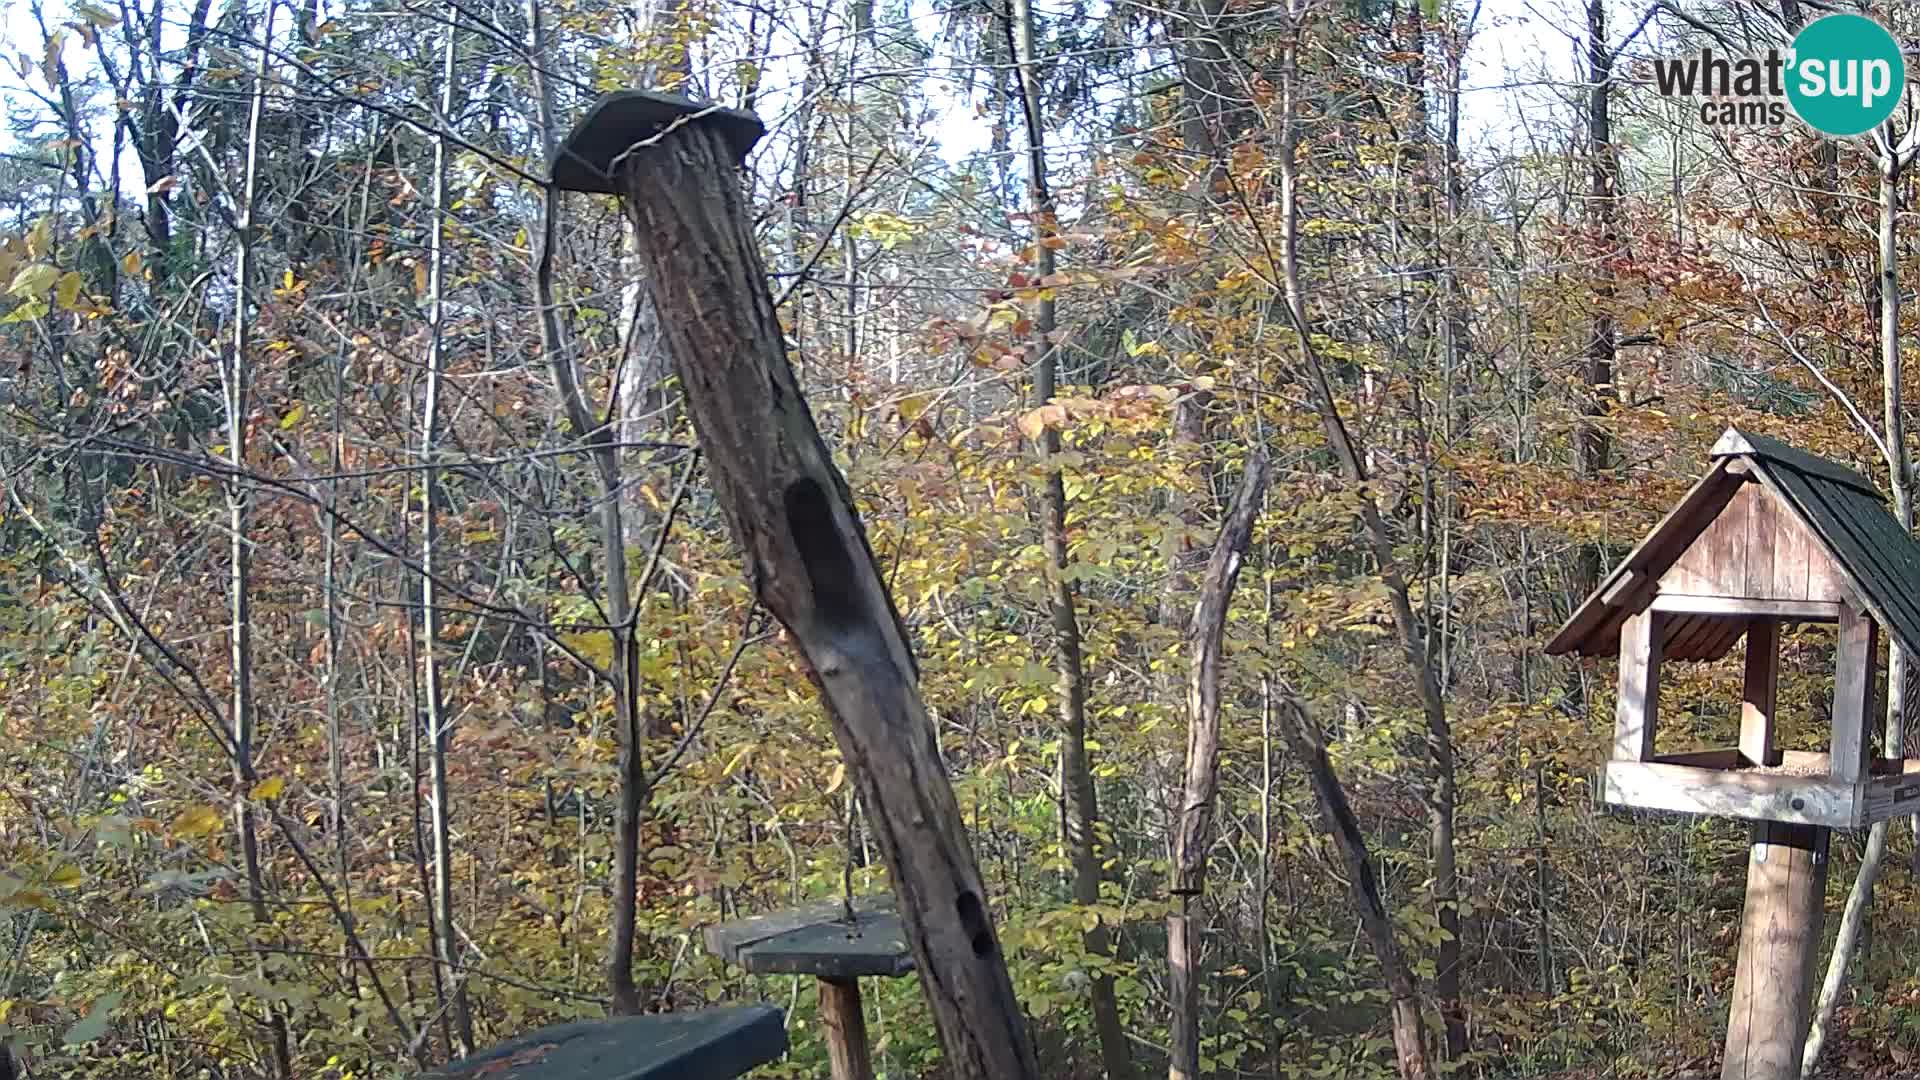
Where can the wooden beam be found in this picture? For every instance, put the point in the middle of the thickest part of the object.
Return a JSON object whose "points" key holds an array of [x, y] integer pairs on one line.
{"points": [[1779, 943], [1629, 590], [1761, 693], [1748, 607], [848, 1057], [1852, 693], [1686, 789], [1637, 712]]}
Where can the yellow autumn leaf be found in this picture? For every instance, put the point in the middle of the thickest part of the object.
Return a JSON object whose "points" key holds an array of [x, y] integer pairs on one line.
{"points": [[293, 416], [1039, 420], [67, 292], [419, 279], [270, 788], [595, 645], [131, 262], [33, 280], [196, 821], [839, 777], [40, 239], [67, 876]]}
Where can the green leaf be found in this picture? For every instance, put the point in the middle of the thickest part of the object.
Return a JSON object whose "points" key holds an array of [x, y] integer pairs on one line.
{"points": [[96, 16], [34, 279], [32, 309], [67, 292], [95, 1025], [40, 239]]}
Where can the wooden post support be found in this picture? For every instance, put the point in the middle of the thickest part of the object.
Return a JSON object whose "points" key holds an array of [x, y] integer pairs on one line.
{"points": [[1853, 667], [1762, 685], [672, 161], [1779, 945], [848, 1057], [1637, 712]]}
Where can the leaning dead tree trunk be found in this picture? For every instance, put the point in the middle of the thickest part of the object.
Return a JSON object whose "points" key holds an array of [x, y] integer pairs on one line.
{"points": [[1409, 1028], [1194, 831], [806, 550]]}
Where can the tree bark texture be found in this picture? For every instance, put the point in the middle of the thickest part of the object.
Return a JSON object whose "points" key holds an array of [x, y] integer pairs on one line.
{"points": [[1594, 446], [811, 565], [1194, 827]]}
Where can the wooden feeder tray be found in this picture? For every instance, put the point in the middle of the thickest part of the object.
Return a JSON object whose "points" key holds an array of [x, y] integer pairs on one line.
{"points": [[701, 1044], [817, 939], [1798, 790]]}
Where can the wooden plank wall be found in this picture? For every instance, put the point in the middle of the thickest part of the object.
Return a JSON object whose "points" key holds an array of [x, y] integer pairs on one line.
{"points": [[1756, 548]]}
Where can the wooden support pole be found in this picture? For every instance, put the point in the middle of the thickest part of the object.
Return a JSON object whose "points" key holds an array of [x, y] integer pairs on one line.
{"points": [[1762, 687], [848, 1057], [1637, 712], [1853, 663], [673, 162], [1779, 944]]}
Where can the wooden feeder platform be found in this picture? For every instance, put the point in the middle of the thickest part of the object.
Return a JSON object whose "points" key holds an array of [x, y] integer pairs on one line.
{"points": [[1797, 791], [819, 940], [700, 1044], [838, 942]]}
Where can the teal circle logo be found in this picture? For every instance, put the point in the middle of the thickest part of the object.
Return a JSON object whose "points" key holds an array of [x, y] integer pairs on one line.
{"points": [[1846, 75]]}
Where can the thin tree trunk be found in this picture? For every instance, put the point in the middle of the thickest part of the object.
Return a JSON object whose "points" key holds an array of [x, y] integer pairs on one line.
{"points": [[1594, 445], [1077, 788], [1438, 793], [446, 947], [629, 721], [1427, 331], [1194, 833], [239, 404], [1855, 916]]}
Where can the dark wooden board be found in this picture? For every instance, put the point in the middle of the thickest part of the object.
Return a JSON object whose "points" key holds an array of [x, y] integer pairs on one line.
{"points": [[817, 940], [588, 160], [699, 1044]]}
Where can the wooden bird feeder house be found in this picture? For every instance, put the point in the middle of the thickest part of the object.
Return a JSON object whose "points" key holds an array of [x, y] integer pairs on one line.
{"points": [[1771, 536]]}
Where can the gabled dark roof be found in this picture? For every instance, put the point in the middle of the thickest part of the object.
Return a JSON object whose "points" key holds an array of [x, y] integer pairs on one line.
{"points": [[1840, 507], [1881, 558]]}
